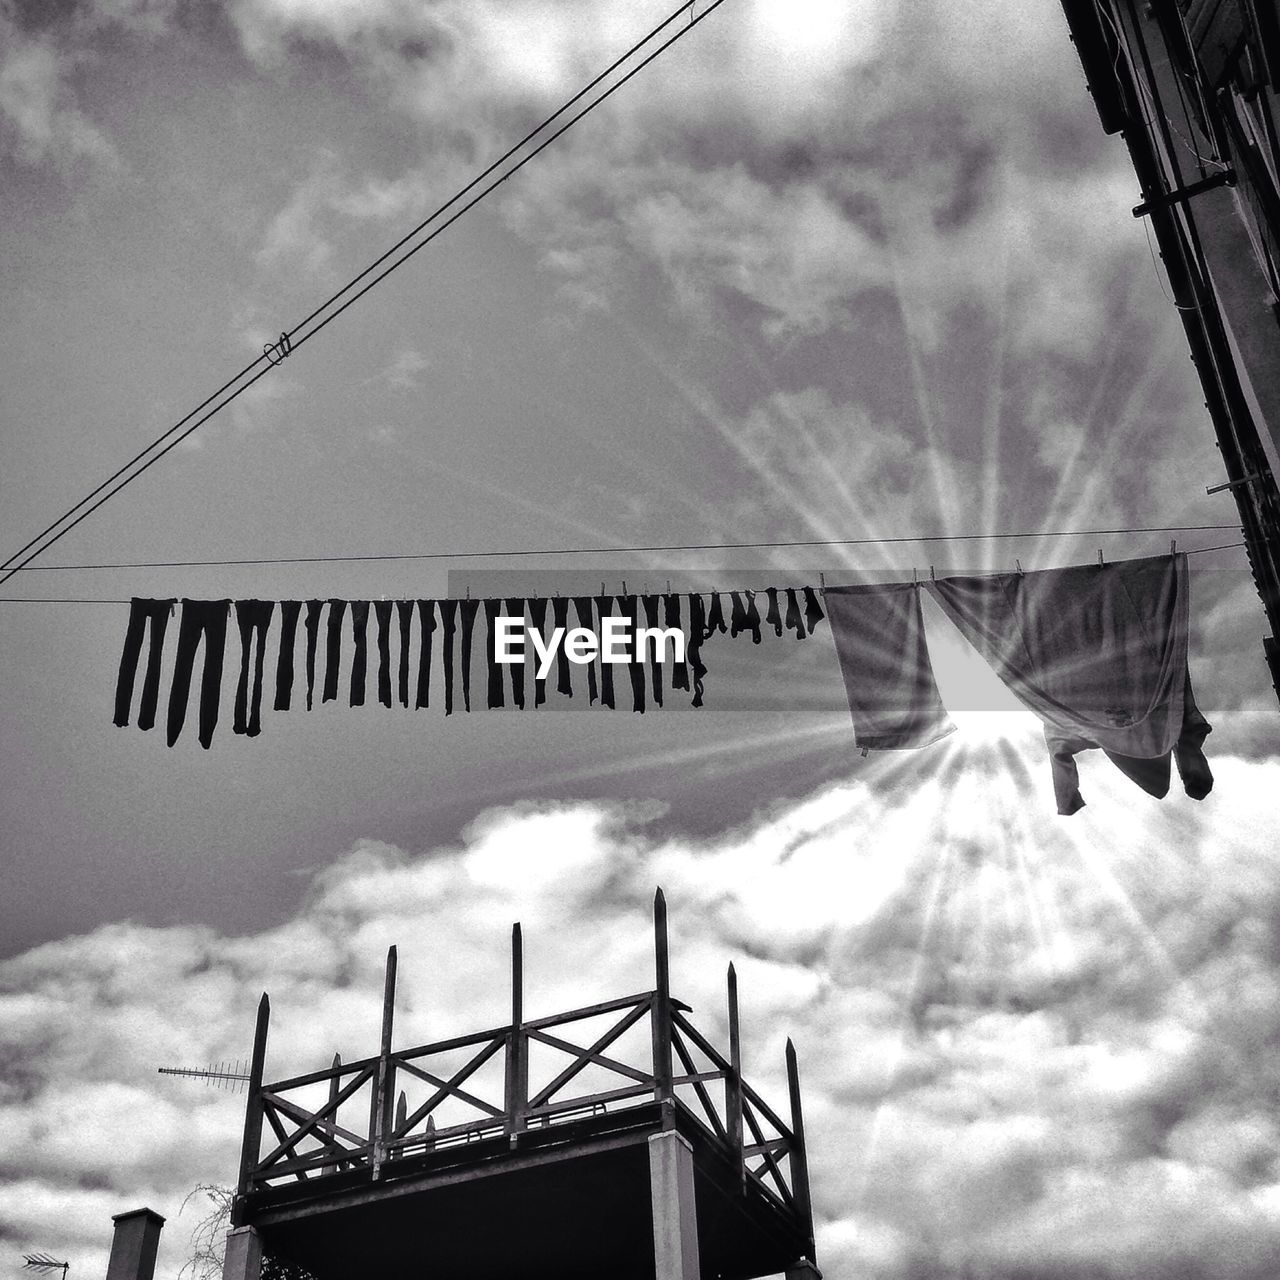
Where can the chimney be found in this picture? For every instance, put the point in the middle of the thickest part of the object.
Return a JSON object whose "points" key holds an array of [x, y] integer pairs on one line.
{"points": [[134, 1245]]}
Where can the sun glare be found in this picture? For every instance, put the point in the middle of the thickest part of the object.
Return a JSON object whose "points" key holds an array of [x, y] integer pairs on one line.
{"points": [[995, 726], [805, 28]]}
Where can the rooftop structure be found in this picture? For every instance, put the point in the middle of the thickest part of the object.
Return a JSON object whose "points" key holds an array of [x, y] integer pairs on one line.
{"points": [[520, 1151]]}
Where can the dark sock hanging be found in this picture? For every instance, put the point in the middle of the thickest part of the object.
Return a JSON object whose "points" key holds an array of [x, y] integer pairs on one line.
{"points": [[404, 615], [427, 624], [812, 609], [773, 618], [360, 650], [492, 608], [253, 617], [715, 616], [448, 624], [794, 620], [635, 668], [289, 611], [538, 620], [698, 633], [333, 649], [467, 608], [679, 670], [141, 613], [560, 618], [205, 619], [311, 625], [650, 604], [582, 606], [382, 610], [515, 609], [604, 608]]}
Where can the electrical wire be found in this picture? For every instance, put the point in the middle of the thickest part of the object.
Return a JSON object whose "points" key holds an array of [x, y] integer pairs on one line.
{"points": [[1225, 546], [291, 339], [512, 552]]}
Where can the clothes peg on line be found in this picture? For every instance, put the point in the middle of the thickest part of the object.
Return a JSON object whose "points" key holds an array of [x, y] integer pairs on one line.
{"points": [[1173, 546], [1100, 555], [1017, 564]]}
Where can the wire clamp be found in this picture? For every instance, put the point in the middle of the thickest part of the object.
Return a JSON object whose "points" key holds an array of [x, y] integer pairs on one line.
{"points": [[276, 351]]}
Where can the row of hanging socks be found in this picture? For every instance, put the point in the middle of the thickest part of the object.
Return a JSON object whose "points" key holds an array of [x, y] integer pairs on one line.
{"points": [[330, 631]]}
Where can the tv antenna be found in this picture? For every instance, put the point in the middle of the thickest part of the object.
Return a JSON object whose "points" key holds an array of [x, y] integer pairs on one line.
{"points": [[223, 1076], [44, 1264]]}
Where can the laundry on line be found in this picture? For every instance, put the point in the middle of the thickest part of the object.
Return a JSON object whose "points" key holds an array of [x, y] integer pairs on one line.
{"points": [[1098, 652], [412, 628]]}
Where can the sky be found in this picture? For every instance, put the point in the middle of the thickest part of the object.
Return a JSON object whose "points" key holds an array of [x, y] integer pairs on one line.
{"points": [[822, 271]]}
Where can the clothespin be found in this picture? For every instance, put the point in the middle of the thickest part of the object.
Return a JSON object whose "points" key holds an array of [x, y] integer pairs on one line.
{"points": [[1017, 564], [933, 577], [1173, 546], [602, 590], [822, 582], [915, 579], [668, 586], [624, 586], [1099, 555]]}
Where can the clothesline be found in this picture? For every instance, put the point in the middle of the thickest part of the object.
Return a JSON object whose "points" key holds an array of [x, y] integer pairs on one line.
{"points": [[1097, 651], [1225, 546], [523, 552]]}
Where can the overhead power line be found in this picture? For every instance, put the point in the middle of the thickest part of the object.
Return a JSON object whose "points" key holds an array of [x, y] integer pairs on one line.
{"points": [[335, 305], [512, 552]]}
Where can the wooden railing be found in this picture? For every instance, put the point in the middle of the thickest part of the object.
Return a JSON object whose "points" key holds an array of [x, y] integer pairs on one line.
{"points": [[523, 1076]]}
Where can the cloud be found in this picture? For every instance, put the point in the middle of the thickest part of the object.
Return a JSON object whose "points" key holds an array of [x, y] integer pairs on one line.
{"points": [[40, 119], [795, 156], [1020, 1056], [403, 372]]}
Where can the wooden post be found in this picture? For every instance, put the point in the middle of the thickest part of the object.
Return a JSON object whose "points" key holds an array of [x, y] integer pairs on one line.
{"points": [[661, 1013], [384, 1077], [334, 1089], [250, 1147], [733, 1081], [799, 1159], [517, 1066]]}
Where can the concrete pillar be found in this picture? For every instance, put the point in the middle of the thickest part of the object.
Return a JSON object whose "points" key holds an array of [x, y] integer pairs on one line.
{"points": [[243, 1260], [134, 1245], [803, 1270], [675, 1218]]}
